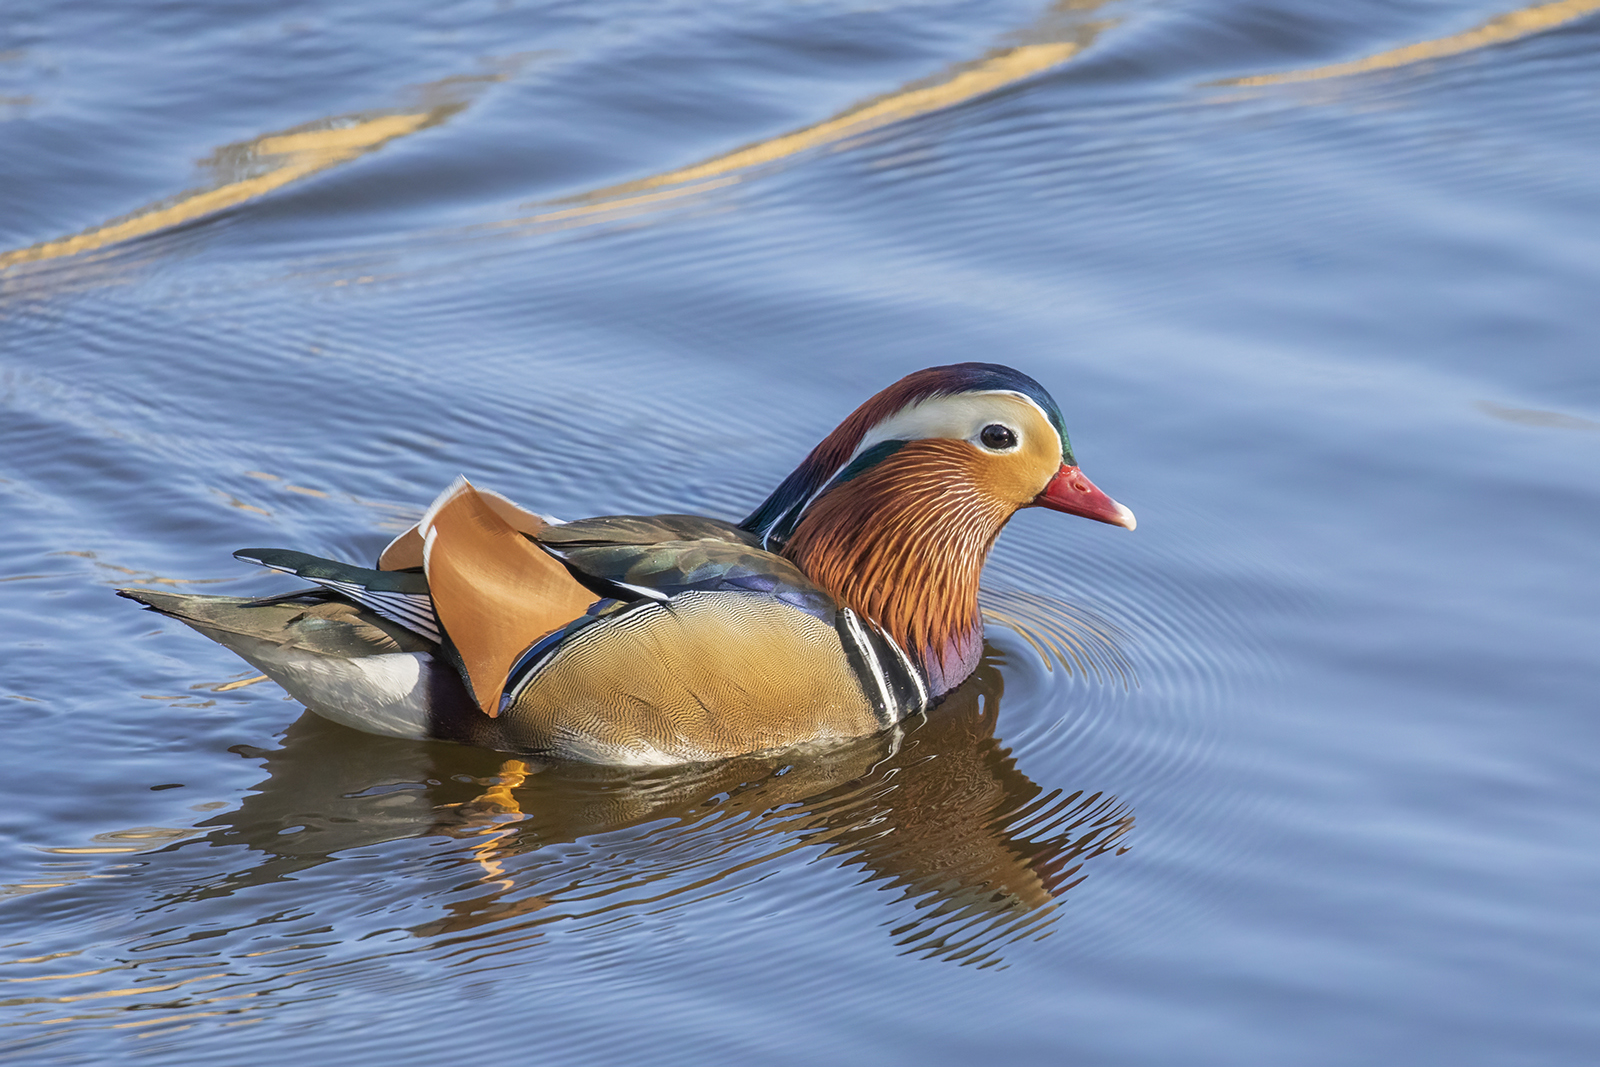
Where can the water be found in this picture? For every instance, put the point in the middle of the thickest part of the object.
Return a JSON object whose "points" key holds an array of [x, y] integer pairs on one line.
{"points": [[1304, 771]]}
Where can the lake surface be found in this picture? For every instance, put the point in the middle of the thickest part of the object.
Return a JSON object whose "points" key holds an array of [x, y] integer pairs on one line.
{"points": [[1304, 771]]}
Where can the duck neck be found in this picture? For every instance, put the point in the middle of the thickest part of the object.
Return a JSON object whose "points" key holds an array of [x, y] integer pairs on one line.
{"points": [[903, 546]]}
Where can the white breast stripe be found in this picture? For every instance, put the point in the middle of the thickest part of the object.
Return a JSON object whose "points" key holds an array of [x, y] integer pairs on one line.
{"points": [[890, 709], [916, 675]]}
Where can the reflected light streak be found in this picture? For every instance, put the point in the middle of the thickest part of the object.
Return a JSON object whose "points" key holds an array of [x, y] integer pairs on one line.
{"points": [[995, 72], [1498, 30], [301, 153], [291, 156], [297, 154]]}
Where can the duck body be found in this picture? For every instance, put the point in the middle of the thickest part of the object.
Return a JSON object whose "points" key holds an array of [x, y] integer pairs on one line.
{"points": [[845, 603]]}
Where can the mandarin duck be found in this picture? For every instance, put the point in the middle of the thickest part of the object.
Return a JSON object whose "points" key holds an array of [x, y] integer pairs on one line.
{"points": [[846, 602]]}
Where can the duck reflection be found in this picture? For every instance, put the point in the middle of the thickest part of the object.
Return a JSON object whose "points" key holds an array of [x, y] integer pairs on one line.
{"points": [[938, 810]]}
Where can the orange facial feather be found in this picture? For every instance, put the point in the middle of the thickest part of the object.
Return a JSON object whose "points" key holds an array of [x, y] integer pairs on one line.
{"points": [[904, 544]]}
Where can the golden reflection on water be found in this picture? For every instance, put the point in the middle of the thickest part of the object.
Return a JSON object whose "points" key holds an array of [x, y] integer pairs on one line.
{"points": [[1498, 30], [1055, 43], [134, 839], [239, 683], [250, 169], [295, 154], [279, 158], [995, 71], [255, 168]]}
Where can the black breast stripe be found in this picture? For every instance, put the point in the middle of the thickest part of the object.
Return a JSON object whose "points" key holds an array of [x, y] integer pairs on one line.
{"points": [[891, 682], [864, 662], [911, 686]]}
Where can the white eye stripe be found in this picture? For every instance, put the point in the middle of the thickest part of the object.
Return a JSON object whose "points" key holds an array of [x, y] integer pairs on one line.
{"points": [[962, 417]]}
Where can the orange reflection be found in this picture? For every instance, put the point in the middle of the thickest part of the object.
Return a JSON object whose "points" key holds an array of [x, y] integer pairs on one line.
{"points": [[994, 72], [288, 156], [295, 154], [957, 85], [1498, 30]]}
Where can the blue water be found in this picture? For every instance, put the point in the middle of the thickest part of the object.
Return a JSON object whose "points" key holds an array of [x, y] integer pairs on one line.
{"points": [[1304, 771]]}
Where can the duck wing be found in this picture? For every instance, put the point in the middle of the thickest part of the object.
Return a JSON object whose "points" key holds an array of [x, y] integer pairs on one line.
{"points": [[475, 585], [658, 557], [498, 587], [301, 621], [632, 557], [405, 552], [495, 592], [399, 596]]}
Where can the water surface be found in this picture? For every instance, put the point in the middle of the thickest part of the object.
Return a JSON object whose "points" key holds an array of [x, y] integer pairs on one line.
{"points": [[1304, 771]]}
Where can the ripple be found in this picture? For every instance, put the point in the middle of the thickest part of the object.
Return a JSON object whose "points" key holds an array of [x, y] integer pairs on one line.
{"points": [[977, 855], [1130, 673], [1116, 224], [1074, 638]]}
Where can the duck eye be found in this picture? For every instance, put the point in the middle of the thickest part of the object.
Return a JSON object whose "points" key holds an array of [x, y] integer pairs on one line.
{"points": [[998, 437]]}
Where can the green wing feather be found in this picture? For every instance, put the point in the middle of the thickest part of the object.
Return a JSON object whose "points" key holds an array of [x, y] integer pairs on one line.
{"points": [[666, 555]]}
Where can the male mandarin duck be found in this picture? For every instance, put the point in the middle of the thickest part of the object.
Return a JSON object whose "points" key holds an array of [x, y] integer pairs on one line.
{"points": [[846, 602]]}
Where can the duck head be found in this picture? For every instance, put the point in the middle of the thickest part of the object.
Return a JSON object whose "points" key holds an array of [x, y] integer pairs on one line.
{"points": [[895, 511]]}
